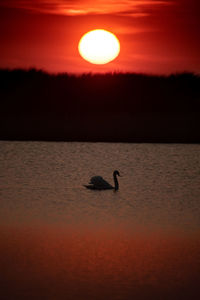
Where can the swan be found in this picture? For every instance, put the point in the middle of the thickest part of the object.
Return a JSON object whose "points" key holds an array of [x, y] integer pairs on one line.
{"points": [[98, 183]]}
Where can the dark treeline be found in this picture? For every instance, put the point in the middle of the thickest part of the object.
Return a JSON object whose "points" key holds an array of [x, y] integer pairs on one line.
{"points": [[111, 107]]}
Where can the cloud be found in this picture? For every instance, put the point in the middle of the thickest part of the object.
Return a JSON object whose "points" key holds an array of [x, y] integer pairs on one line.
{"points": [[129, 8]]}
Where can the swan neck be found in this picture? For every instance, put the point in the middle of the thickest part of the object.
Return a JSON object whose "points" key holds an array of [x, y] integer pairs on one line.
{"points": [[116, 182]]}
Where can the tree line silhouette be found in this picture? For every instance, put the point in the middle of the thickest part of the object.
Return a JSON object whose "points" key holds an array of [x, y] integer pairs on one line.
{"points": [[125, 107]]}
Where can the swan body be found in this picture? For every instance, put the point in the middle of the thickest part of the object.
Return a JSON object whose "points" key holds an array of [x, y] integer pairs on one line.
{"points": [[98, 183]]}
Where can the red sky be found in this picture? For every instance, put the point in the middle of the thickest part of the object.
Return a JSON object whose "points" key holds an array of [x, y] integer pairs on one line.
{"points": [[156, 36]]}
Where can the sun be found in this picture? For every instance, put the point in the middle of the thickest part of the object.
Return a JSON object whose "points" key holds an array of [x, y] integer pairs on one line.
{"points": [[99, 46]]}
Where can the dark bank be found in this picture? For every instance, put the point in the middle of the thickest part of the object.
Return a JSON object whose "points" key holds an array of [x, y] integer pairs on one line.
{"points": [[114, 107]]}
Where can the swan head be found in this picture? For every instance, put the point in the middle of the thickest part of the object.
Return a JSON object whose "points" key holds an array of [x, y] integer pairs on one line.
{"points": [[116, 173]]}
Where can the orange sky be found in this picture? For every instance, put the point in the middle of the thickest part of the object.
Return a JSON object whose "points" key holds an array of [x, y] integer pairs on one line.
{"points": [[156, 36]]}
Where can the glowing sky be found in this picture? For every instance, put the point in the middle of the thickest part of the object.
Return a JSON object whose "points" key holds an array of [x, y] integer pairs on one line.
{"points": [[156, 36]]}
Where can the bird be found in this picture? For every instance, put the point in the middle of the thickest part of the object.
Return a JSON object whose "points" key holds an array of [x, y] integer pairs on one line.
{"points": [[98, 183]]}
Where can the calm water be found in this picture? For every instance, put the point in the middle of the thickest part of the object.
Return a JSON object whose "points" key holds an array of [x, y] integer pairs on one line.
{"points": [[61, 241]]}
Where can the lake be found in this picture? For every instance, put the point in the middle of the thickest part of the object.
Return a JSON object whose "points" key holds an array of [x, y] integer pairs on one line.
{"points": [[60, 240]]}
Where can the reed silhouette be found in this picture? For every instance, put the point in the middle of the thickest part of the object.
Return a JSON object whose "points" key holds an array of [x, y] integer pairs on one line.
{"points": [[125, 107]]}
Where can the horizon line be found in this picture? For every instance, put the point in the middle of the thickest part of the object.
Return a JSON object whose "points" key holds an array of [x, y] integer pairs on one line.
{"points": [[79, 74]]}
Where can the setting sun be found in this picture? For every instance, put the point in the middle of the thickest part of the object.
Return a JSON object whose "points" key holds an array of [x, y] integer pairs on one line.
{"points": [[99, 46]]}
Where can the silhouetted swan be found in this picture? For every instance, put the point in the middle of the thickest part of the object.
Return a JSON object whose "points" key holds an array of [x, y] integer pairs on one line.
{"points": [[98, 183]]}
